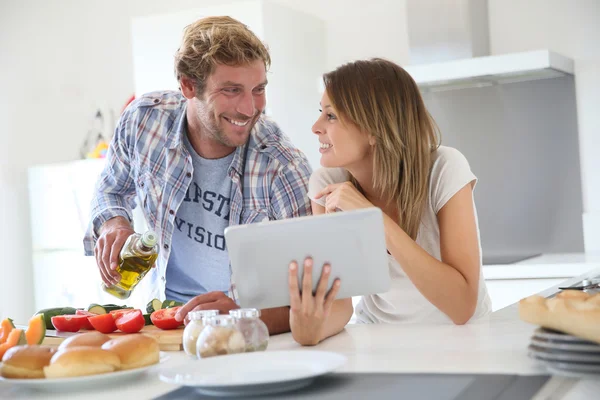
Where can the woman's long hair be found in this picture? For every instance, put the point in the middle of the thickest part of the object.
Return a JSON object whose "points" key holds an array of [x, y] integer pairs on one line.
{"points": [[381, 98]]}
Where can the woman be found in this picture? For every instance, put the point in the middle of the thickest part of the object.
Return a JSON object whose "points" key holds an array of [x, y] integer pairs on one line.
{"points": [[380, 148]]}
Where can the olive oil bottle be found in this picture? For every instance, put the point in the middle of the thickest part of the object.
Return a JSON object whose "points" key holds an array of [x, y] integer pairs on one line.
{"points": [[137, 257]]}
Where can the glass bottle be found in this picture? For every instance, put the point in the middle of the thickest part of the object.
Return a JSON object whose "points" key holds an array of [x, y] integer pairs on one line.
{"points": [[220, 336], [135, 260], [194, 328], [256, 333]]}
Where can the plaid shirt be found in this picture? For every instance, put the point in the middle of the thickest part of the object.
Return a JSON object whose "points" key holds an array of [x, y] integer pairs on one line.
{"points": [[147, 158]]}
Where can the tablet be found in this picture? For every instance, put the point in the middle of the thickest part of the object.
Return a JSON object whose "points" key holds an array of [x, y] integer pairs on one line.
{"points": [[352, 242]]}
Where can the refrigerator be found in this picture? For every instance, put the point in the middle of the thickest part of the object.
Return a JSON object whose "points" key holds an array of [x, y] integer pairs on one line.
{"points": [[60, 198]]}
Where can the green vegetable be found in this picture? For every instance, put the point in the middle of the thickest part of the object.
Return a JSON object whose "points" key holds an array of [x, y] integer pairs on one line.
{"points": [[48, 313], [153, 305], [171, 303], [147, 319], [97, 309]]}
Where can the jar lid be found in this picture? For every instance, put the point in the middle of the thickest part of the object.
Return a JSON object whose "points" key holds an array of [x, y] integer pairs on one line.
{"points": [[219, 320], [199, 315], [245, 313]]}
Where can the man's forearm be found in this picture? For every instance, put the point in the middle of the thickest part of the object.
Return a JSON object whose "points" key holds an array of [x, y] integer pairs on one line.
{"points": [[276, 319]]}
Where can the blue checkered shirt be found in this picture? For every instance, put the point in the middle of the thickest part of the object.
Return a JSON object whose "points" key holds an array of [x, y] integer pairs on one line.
{"points": [[148, 162]]}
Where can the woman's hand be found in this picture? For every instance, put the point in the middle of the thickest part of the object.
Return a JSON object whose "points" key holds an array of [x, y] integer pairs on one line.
{"points": [[309, 312], [343, 196]]}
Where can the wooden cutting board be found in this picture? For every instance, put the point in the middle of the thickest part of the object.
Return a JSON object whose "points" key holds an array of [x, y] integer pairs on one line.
{"points": [[171, 340]]}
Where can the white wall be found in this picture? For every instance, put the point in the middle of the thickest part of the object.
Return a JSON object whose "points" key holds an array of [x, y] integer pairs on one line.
{"points": [[571, 28]]}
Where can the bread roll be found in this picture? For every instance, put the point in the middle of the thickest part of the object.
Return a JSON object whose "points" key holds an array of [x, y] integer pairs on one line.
{"points": [[81, 361], [26, 362], [135, 350], [92, 339], [575, 314]]}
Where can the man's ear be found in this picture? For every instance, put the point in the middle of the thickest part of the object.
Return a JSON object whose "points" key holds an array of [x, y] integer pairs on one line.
{"points": [[188, 87]]}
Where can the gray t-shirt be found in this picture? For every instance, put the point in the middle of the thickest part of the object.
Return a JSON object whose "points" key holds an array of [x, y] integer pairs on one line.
{"points": [[198, 262]]}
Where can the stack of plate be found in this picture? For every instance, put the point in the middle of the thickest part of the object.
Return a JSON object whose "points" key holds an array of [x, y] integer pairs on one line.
{"points": [[565, 354]]}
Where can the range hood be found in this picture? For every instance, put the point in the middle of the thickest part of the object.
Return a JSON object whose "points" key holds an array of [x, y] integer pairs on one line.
{"points": [[449, 48], [490, 70]]}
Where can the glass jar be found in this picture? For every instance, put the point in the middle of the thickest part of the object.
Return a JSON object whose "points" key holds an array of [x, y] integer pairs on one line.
{"points": [[194, 328], [220, 336], [256, 333]]}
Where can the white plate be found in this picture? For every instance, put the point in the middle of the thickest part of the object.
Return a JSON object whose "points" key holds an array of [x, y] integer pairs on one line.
{"points": [[253, 373], [540, 353], [566, 346], [543, 333], [82, 382]]}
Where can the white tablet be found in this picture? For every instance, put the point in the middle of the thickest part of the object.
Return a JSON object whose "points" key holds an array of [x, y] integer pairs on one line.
{"points": [[352, 242]]}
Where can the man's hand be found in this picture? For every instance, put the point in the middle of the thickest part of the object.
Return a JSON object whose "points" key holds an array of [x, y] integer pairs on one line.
{"points": [[113, 235], [209, 301], [309, 312]]}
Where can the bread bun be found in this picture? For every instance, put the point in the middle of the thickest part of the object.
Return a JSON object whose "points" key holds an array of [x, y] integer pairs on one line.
{"points": [[574, 312], [26, 362], [81, 361], [92, 339], [135, 350]]}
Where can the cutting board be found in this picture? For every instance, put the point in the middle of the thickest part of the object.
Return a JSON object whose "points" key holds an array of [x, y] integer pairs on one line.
{"points": [[171, 340]]}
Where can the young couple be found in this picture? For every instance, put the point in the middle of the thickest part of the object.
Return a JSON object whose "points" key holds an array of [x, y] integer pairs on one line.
{"points": [[206, 157]]}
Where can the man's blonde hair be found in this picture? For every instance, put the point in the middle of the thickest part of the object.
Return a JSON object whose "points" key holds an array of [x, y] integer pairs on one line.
{"points": [[217, 40]]}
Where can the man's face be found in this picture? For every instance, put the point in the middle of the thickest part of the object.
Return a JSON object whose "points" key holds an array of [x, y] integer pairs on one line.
{"points": [[232, 101]]}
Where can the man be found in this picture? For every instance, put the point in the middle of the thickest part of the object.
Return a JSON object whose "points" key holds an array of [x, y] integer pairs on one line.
{"points": [[200, 160]]}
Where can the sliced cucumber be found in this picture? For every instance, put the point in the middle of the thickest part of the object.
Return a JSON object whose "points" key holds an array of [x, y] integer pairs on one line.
{"points": [[148, 320], [97, 309], [153, 305], [171, 303]]}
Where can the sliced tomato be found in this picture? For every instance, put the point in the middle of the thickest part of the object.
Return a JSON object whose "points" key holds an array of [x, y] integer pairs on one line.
{"points": [[165, 318], [104, 323], [130, 321], [117, 313], [71, 323], [86, 313]]}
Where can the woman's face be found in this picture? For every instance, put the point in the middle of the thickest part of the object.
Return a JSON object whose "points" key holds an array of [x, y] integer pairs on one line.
{"points": [[342, 144]]}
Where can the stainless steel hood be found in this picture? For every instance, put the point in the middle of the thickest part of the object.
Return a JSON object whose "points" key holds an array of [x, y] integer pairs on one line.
{"points": [[490, 70], [450, 49]]}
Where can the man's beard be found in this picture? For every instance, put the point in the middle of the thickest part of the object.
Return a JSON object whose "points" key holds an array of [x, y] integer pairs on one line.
{"points": [[212, 128]]}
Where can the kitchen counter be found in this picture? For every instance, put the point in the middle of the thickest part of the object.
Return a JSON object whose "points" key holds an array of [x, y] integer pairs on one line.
{"points": [[497, 345]]}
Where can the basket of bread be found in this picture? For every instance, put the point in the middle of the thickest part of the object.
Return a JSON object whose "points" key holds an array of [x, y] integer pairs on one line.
{"points": [[85, 354]]}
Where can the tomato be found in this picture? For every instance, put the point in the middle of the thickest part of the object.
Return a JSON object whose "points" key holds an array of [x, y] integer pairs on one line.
{"points": [[71, 323], [130, 321], [104, 323], [117, 313], [165, 318], [86, 313]]}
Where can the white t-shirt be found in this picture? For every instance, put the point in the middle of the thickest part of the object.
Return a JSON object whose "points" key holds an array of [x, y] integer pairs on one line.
{"points": [[403, 303]]}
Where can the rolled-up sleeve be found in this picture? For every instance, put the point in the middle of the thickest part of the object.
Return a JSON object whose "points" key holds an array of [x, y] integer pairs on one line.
{"points": [[289, 192], [115, 190]]}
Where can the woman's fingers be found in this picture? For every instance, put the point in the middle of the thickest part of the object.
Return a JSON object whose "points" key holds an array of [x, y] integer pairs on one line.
{"points": [[295, 300], [332, 295], [322, 286]]}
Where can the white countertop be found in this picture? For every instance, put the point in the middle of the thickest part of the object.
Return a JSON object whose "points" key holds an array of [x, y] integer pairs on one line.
{"points": [[497, 345]]}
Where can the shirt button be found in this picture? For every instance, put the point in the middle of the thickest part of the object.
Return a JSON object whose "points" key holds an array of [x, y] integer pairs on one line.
{"points": [[162, 278], [166, 246], [156, 101], [171, 212], [189, 174]]}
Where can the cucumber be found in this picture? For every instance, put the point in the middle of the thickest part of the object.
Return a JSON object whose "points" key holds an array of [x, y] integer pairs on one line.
{"points": [[153, 305], [147, 319], [48, 313], [171, 303], [112, 308], [97, 309]]}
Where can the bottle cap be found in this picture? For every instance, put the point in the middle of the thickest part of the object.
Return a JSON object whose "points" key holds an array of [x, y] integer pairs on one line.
{"points": [[245, 313], [149, 239]]}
